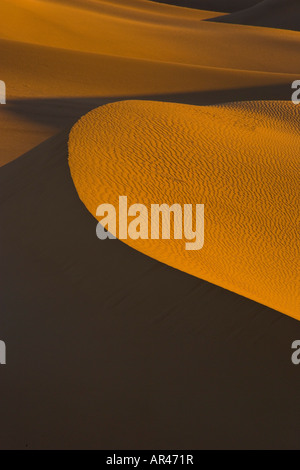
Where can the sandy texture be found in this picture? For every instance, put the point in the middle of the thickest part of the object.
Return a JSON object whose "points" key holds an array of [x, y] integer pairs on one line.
{"points": [[108, 348], [240, 160], [70, 55]]}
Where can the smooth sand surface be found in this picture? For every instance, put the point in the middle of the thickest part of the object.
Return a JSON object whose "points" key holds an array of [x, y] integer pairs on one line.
{"points": [[70, 51], [177, 40], [240, 160], [284, 14], [110, 349]]}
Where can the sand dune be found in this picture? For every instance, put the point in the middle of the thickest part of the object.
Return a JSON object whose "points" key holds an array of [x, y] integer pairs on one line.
{"points": [[75, 26], [212, 5], [31, 115], [47, 40], [176, 41], [239, 160], [98, 75], [109, 348], [284, 14]]}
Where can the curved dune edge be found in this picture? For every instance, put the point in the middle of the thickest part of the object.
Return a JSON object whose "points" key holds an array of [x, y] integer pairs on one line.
{"points": [[161, 50], [239, 160], [214, 5]]}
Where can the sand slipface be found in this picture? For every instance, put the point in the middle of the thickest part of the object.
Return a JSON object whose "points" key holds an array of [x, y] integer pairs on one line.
{"points": [[109, 348], [73, 51], [239, 160]]}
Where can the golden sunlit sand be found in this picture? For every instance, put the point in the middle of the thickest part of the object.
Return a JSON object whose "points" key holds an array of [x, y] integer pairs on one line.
{"points": [[116, 49], [240, 160]]}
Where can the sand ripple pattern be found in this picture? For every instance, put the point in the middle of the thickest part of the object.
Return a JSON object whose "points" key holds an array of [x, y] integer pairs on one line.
{"points": [[241, 160]]}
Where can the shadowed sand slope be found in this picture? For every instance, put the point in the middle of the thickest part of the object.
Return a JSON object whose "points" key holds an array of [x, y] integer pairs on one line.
{"points": [[212, 5], [284, 14], [240, 160], [109, 348]]}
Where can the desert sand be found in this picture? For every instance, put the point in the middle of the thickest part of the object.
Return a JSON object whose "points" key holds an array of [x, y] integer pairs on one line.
{"points": [[240, 160], [108, 347], [174, 59], [212, 5]]}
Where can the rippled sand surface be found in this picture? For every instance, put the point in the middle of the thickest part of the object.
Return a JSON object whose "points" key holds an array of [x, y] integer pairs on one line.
{"points": [[240, 160]]}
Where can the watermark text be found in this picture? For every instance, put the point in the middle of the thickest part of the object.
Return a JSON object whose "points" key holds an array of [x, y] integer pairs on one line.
{"points": [[161, 221], [2, 353], [2, 92], [296, 354], [296, 94]]}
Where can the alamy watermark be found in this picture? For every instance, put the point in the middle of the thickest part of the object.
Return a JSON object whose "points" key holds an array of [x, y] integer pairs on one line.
{"points": [[154, 459], [156, 223], [2, 92], [296, 353], [2, 353], [296, 94]]}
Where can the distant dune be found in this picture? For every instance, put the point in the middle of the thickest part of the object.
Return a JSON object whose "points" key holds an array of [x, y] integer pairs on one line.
{"points": [[163, 37], [177, 57], [283, 14], [212, 5]]}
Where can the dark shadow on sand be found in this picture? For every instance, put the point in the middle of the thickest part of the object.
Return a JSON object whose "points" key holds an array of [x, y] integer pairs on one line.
{"points": [[109, 349], [211, 5], [63, 112]]}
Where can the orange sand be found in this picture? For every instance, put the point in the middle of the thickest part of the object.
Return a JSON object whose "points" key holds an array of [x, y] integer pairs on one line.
{"points": [[61, 58], [125, 48], [240, 160]]}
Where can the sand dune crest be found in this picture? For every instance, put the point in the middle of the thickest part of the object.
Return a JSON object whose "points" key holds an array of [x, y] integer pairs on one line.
{"points": [[239, 160], [283, 14]]}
